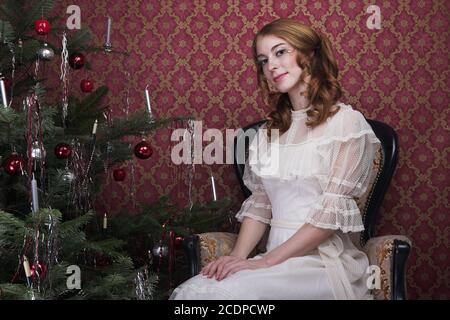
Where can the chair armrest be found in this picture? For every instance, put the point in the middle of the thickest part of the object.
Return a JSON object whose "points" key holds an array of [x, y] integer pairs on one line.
{"points": [[203, 248], [390, 254]]}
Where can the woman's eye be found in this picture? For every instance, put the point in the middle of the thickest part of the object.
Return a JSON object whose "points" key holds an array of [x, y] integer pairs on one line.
{"points": [[262, 62], [280, 52]]}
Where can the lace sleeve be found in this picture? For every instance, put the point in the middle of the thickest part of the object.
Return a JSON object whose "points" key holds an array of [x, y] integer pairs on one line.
{"points": [[348, 151], [257, 206]]}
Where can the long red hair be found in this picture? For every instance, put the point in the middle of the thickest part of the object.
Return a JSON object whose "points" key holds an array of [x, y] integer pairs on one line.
{"points": [[315, 57]]}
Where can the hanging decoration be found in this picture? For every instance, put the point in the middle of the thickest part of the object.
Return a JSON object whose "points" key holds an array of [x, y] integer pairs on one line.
{"points": [[45, 53], [79, 193], [178, 242], [36, 69], [81, 161], [133, 183], [42, 27], [190, 135], [51, 255], [160, 250], [76, 60], [35, 148], [38, 270], [14, 164], [64, 78], [67, 175], [37, 151], [143, 150], [144, 285], [87, 85], [9, 82], [63, 150], [119, 174]]}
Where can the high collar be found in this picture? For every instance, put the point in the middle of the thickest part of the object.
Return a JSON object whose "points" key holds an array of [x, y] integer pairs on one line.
{"points": [[299, 114]]}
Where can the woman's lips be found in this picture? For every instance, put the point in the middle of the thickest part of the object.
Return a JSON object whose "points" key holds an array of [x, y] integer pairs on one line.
{"points": [[278, 78]]}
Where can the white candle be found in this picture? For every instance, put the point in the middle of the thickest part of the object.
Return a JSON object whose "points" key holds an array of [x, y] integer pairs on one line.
{"points": [[34, 195], [147, 97], [108, 31], [94, 129], [2, 88], [105, 221], [213, 188], [26, 267]]}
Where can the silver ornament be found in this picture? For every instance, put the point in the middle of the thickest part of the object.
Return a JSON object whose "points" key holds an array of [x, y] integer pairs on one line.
{"points": [[68, 176], [36, 151], [46, 53], [160, 251]]}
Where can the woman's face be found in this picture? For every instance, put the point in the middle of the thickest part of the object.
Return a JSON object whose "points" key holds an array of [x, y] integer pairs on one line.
{"points": [[278, 60]]}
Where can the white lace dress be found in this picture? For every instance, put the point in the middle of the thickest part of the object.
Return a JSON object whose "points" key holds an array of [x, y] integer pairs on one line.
{"points": [[304, 176]]}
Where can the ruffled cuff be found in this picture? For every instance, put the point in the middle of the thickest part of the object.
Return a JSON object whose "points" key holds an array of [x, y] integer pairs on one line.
{"points": [[335, 211], [257, 208]]}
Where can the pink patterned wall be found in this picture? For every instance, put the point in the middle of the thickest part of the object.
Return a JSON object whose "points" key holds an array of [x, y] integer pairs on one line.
{"points": [[195, 57]]}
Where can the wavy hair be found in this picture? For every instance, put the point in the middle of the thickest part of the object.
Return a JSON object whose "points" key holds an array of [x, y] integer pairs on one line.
{"points": [[315, 57]]}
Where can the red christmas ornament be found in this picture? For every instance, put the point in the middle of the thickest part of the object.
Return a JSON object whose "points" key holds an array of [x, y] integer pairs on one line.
{"points": [[119, 174], [14, 164], [63, 150], [178, 241], [42, 27], [38, 269], [87, 85], [143, 150], [76, 60]]}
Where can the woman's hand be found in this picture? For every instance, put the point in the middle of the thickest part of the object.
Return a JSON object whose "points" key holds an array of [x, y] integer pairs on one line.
{"points": [[227, 265]]}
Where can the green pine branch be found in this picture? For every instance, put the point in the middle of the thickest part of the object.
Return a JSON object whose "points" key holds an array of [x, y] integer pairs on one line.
{"points": [[12, 291], [6, 31], [109, 262]]}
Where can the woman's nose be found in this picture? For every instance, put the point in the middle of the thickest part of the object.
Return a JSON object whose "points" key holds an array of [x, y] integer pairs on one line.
{"points": [[272, 64]]}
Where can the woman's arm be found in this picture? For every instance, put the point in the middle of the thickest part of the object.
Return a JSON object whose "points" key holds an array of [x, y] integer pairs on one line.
{"points": [[250, 234], [306, 239]]}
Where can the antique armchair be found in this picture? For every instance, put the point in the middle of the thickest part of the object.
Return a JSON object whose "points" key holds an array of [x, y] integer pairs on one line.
{"points": [[388, 252]]}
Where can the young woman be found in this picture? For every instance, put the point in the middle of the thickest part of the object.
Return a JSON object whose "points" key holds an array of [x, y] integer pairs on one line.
{"points": [[323, 156]]}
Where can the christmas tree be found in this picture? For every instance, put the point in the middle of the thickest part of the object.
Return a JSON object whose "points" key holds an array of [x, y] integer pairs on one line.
{"points": [[54, 156]]}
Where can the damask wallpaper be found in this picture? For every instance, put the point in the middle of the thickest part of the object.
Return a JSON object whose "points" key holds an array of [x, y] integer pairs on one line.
{"points": [[195, 58]]}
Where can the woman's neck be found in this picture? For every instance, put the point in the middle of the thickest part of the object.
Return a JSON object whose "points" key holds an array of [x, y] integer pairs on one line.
{"points": [[298, 96], [299, 102]]}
